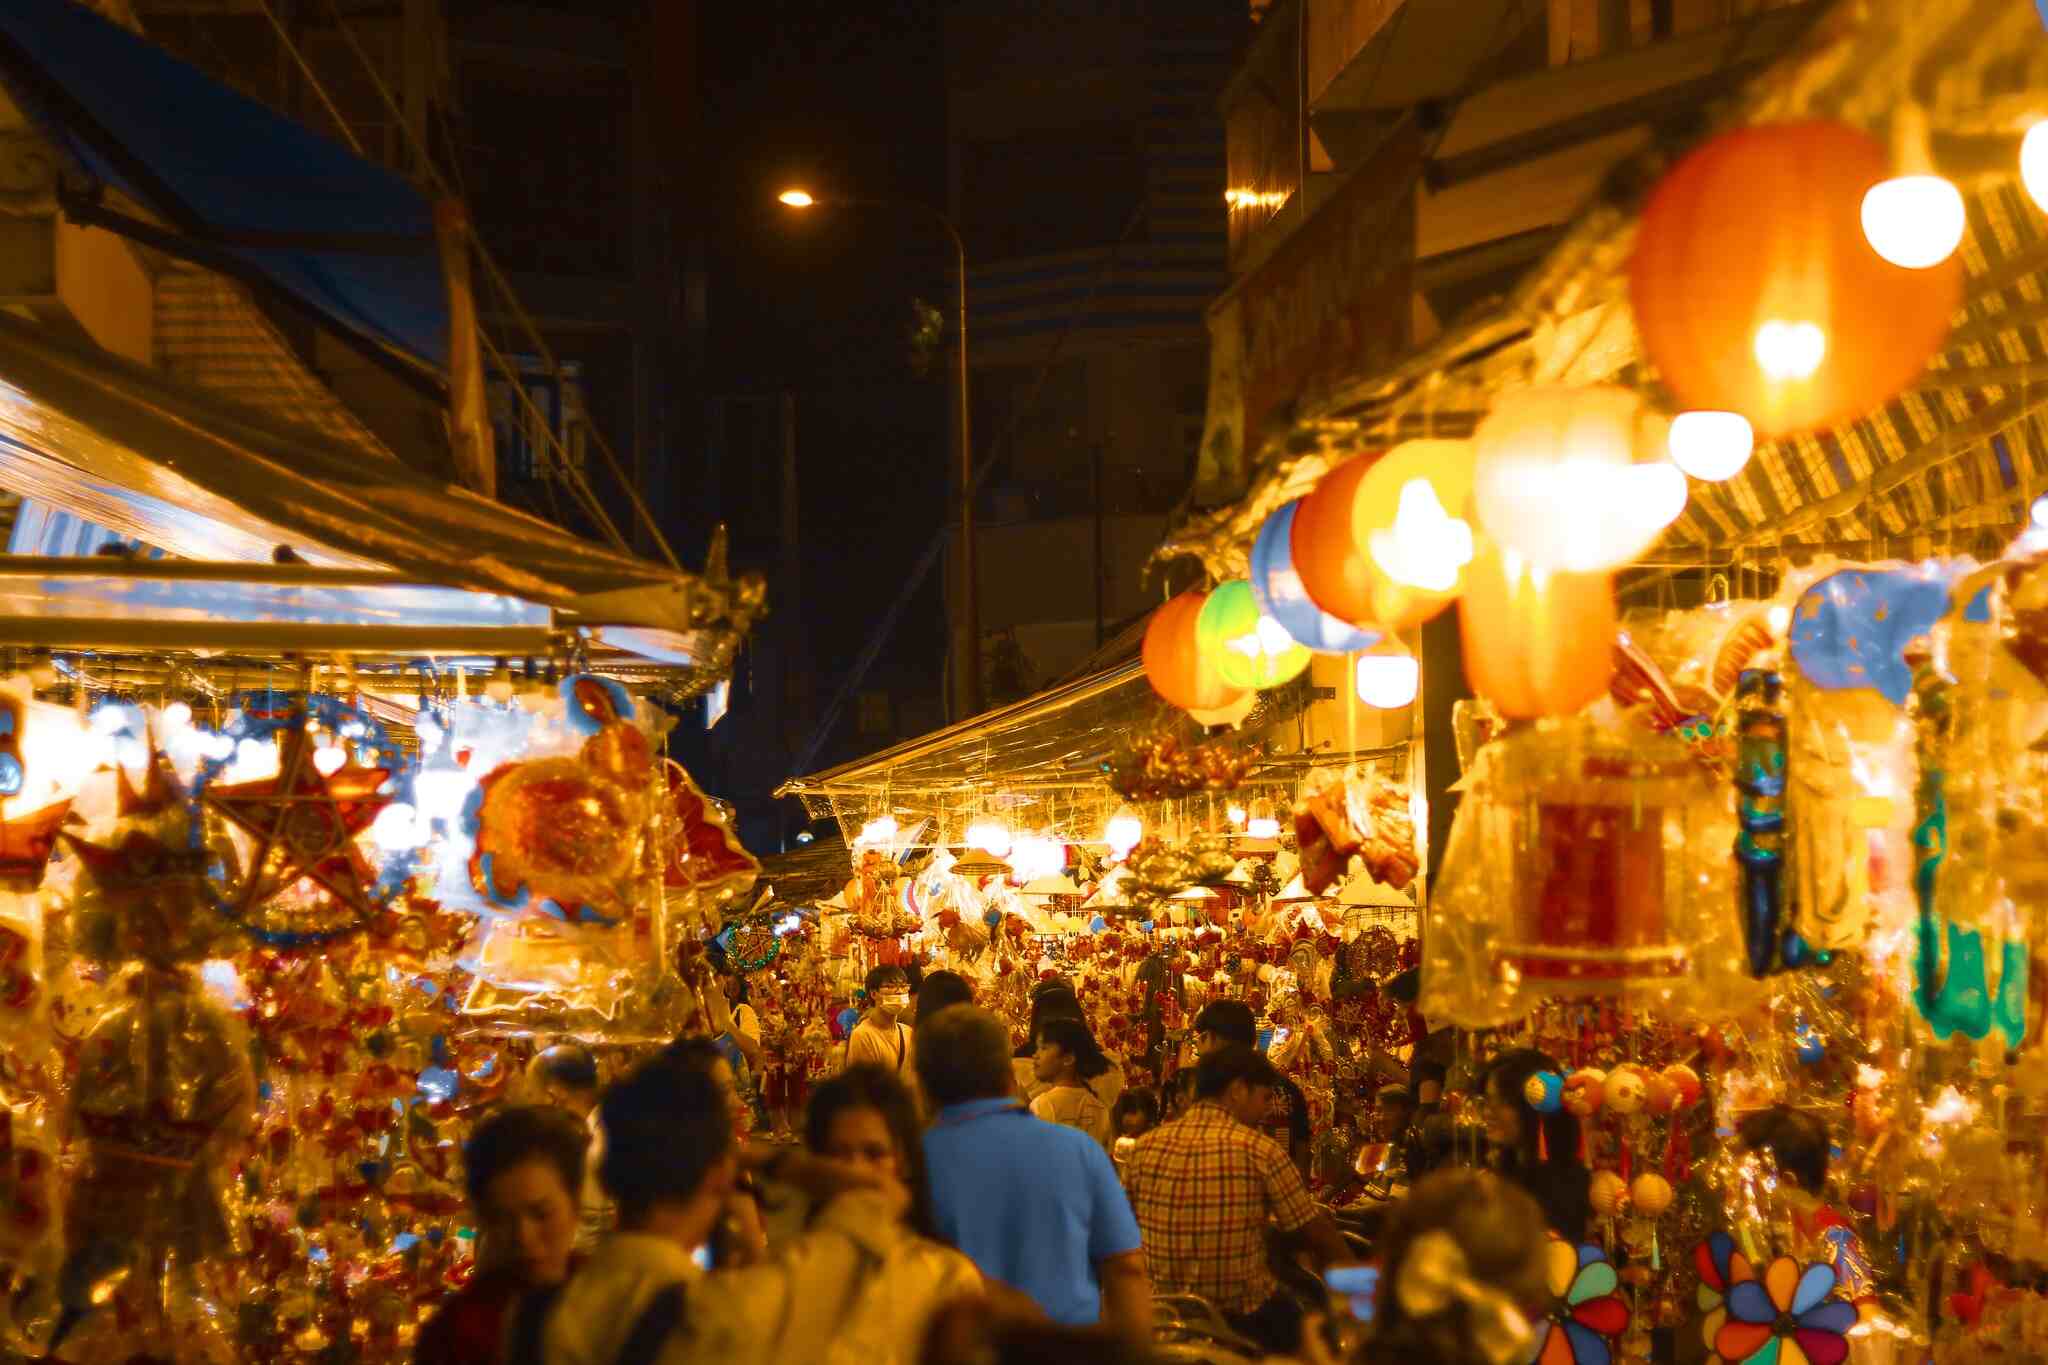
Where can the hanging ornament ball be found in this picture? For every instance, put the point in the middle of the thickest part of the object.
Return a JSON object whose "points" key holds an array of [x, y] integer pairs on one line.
{"points": [[1685, 1084], [1661, 1096], [1248, 647], [1583, 1090], [1755, 290], [1174, 662], [1544, 1092], [1279, 589], [1627, 1090], [1333, 567], [1606, 1191], [1651, 1194]]}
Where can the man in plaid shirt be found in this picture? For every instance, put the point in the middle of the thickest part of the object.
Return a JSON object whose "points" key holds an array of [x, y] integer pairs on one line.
{"points": [[1207, 1186]]}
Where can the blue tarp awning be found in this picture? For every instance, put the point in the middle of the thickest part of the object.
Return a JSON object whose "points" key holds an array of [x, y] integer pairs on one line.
{"points": [[349, 239]]}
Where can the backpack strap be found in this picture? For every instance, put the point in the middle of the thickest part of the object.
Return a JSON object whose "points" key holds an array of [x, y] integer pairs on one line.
{"points": [[529, 1319], [652, 1329]]}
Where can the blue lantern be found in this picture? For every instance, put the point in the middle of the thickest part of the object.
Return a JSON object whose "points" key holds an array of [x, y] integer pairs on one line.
{"points": [[1281, 596]]}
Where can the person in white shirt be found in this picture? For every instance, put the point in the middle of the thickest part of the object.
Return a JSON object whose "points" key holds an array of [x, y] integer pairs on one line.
{"points": [[643, 1297], [882, 1037]]}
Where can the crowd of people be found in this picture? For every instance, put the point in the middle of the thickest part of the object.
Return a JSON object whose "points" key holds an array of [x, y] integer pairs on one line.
{"points": [[954, 1198]]}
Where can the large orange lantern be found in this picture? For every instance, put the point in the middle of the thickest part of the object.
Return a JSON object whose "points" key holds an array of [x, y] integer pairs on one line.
{"points": [[1335, 572], [1411, 516], [1174, 662], [1536, 643], [1755, 290]]}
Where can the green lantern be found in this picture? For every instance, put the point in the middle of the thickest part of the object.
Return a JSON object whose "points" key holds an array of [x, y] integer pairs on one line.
{"points": [[1248, 647]]}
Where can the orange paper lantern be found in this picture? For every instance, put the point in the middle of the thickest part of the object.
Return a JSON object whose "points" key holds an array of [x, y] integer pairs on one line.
{"points": [[1536, 644], [1335, 572], [1756, 292], [1174, 662], [1411, 514]]}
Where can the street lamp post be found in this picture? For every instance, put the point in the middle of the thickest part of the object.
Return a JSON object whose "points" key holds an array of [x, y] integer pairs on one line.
{"points": [[970, 611]]}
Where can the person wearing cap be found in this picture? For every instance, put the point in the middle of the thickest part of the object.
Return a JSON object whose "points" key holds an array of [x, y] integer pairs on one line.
{"points": [[1066, 1060]]}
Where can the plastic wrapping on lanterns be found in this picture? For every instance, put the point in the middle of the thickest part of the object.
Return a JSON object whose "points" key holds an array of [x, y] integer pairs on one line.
{"points": [[1584, 862], [1850, 816]]}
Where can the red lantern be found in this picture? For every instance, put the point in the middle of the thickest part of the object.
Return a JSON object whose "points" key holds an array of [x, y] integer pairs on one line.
{"points": [[1334, 571], [1174, 662], [1755, 290]]}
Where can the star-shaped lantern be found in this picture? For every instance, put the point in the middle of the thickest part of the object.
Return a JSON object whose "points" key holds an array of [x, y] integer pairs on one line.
{"points": [[305, 823]]}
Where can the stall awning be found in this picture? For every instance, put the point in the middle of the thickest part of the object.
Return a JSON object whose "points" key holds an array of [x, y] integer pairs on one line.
{"points": [[124, 446], [349, 239]]}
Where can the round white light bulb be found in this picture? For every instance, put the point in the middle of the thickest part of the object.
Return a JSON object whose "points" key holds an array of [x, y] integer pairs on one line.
{"points": [[1914, 221], [1387, 681], [2034, 163], [1711, 446], [1788, 351], [1124, 831], [990, 836]]}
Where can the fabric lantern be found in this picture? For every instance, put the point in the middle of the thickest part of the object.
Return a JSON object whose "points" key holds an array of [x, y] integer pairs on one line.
{"points": [[1334, 570], [1410, 515], [1536, 644], [1174, 662], [1575, 479], [1248, 647], [1756, 292], [1281, 595]]}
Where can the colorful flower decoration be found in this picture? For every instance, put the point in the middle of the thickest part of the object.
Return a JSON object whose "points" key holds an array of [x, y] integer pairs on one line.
{"points": [[1588, 1312], [1789, 1317], [1718, 1264]]}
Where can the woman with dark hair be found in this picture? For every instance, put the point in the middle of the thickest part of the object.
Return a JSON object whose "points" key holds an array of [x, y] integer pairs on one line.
{"points": [[1799, 1143], [1056, 1000], [1065, 1062], [940, 989], [866, 1118], [1535, 1150], [1462, 1275], [525, 1168]]}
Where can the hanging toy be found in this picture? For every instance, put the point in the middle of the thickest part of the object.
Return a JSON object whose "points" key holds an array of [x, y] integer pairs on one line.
{"points": [[1544, 1091], [1583, 1090], [1760, 810], [1958, 1000]]}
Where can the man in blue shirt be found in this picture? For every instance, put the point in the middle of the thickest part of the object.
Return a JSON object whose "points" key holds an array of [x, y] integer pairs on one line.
{"points": [[1034, 1204]]}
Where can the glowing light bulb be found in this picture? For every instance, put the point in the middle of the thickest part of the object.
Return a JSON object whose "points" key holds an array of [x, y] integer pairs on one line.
{"points": [[1914, 221], [990, 836], [1124, 831], [881, 830], [177, 715], [1265, 827], [1034, 856], [2034, 163], [396, 828], [1711, 446], [1237, 816], [1387, 681], [1790, 351], [2039, 513], [1427, 546], [328, 759]]}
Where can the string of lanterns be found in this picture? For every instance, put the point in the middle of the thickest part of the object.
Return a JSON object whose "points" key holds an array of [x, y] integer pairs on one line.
{"points": [[1785, 277]]}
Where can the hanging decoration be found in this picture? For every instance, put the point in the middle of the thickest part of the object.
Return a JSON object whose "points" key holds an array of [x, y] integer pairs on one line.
{"points": [[706, 864], [564, 835], [1755, 292], [1410, 513], [304, 876], [1283, 597], [1334, 569], [1179, 669], [1249, 648], [1536, 644], [1160, 764], [1587, 1314]]}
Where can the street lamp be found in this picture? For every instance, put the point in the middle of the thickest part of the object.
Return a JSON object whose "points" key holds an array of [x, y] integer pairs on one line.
{"points": [[971, 589]]}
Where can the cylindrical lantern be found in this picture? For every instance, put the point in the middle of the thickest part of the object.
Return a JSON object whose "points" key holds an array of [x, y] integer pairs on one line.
{"points": [[1575, 479], [1755, 291], [1536, 644], [1410, 515], [1334, 570], [1280, 592], [1248, 647], [1174, 662]]}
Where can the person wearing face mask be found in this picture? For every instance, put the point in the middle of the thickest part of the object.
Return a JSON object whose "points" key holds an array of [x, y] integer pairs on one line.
{"points": [[881, 1037], [1207, 1186], [525, 1169]]}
